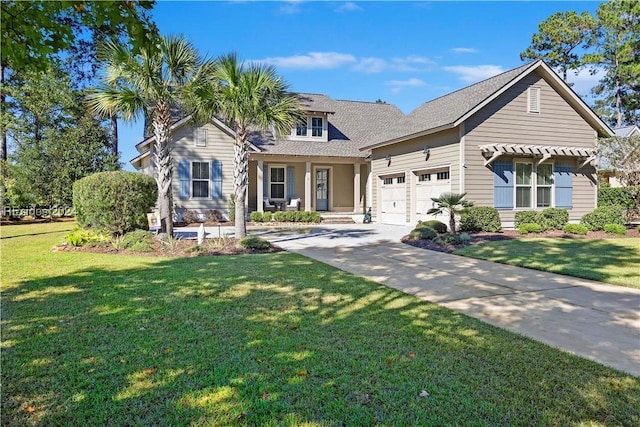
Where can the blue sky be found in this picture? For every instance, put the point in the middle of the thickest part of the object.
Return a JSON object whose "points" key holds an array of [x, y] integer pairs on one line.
{"points": [[404, 53]]}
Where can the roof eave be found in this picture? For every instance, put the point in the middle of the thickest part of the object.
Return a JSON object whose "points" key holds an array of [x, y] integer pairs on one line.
{"points": [[410, 136]]}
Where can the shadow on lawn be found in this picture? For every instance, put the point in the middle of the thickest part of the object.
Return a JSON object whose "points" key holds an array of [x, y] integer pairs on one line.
{"points": [[277, 339]]}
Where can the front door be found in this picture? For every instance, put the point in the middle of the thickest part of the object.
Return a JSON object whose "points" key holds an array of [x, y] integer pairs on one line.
{"points": [[322, 189]]}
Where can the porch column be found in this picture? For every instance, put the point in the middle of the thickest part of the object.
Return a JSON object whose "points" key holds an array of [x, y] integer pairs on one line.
{"points": [[307, 187], [356, 188], [260, 183], [370, 188]]}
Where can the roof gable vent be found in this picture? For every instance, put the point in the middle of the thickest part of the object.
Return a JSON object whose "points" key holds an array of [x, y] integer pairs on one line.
{"points": [[533, 100]]}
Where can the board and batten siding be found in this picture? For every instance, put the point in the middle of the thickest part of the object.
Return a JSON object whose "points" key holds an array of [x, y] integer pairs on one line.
{"points": [[219, 146], [408, 156], [506, 121]]}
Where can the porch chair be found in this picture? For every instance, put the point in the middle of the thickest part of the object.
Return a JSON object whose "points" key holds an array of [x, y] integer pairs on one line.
{"points": [[268, 206], [294, 204]]}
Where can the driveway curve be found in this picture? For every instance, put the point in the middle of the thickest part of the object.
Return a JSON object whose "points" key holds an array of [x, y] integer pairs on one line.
{"points": [[594, 320]]}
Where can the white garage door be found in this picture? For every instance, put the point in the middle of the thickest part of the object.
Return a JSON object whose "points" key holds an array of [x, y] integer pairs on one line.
{"points": [[428, 186], [393, 203]]}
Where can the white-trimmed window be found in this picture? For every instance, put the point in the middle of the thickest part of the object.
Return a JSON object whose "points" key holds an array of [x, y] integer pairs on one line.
{"points": [[200, 137], [533, 99], [544, 185], [442, 175], [277, 182], [200, 179], [424, 177], [523, 185], [316, 126], [301, 129]]}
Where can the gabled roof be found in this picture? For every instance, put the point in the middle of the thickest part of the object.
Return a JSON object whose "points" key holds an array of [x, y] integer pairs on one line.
{"points": [[627, 131], [449, 111], [352, 125]]}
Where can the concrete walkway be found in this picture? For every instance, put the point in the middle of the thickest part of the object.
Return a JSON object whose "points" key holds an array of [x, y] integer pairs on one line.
{"points": [[594, 320]]}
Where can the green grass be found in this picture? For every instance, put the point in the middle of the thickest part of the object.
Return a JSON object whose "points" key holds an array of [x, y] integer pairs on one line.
{"points": [[612, 261], [274, 339]]}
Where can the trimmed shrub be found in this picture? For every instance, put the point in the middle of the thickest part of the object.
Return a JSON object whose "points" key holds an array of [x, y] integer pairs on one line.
{"points": [[449, 239], [529, 227], [137, 240], [615, 229], [599, 217], [252, 242], [267, 216], [580, 229], [464, 237], [190, 216], [256, 216], [296, 216], [423, 233], [629, 197], [440, 227], [213, 215], [481, 218], [117, 201], [553, 218], [525, 217]]}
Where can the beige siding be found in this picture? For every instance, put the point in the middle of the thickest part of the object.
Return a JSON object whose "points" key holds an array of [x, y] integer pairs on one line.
{"points": [[506, 120], [342, 187], [408, 156], [219, 147]]}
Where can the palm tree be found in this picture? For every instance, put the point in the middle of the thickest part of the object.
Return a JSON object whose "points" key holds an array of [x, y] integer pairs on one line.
{"points": [[452, 203], [249, 98], [162, 76]]}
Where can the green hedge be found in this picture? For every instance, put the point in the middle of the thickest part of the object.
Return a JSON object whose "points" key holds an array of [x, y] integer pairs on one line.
{"points": [[423, 233], [439, 227], [256, 216], [548, 219], [252, 242], [628, 197], [481, 218], [580, 229], [529, 227], [599, 217], [295, 216], [525, 217], [615, 229], [116, 201]]}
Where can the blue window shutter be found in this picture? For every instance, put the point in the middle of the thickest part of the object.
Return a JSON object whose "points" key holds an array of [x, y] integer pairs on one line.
{"points": [[265, 182], [562, 176], [184, 175], [216, 179], [503, 185], [291, 188]]}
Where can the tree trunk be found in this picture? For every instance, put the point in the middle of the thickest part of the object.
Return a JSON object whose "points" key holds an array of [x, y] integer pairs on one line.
{"points": [[163, 168], [452, 221], [3, 98], [114, 134], [240, 181]]}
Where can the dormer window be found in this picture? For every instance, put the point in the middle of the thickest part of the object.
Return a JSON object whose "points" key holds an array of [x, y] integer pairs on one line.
{"points": [[316, 126], [301, 129]]}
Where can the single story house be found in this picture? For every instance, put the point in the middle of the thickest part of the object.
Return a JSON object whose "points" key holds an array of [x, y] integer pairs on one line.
{"points": [[520, 140]]}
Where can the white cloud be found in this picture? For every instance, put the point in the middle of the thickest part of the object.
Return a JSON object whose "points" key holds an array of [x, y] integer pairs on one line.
{"points": [[464, 50], [347, 7], [290, 7], [413, 63], [472, 74], [371, 65], [398, 85], [310, 61], [584, 81]]}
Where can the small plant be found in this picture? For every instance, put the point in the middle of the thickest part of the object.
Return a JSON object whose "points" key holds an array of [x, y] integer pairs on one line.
{"points": [[464, 237], [438, 226], [529, 227], [82, 237], [197, 249], [615, 229], [423, 233], [448, 239], [256, 216], [252, 242], [451, 203], [525, 217], [171, 242], [220, 242], [481, 218], [579, 229], [190, 216], [599, 217], [213, 215], [267, 216], [553, 218]]}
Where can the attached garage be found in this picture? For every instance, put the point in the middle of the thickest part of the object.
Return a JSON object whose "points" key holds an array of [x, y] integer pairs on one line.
{"points": [[393, 199], [429, 184]]}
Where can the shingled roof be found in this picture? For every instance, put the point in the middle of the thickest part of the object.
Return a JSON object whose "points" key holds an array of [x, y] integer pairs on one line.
{"points": [[352, 125]]}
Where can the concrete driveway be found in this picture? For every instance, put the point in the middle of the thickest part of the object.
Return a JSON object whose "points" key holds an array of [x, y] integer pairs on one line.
{"points": [[594, 320]]}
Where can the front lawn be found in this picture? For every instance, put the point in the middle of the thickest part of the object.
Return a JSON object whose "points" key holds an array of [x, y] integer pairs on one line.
{"points": [[612, 261], [269, 339]]}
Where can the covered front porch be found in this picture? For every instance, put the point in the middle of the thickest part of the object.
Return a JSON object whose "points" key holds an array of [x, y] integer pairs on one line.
{"points": [[322, 184]]}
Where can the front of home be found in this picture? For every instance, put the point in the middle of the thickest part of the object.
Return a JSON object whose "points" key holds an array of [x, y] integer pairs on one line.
{"points": [[517, 141]]}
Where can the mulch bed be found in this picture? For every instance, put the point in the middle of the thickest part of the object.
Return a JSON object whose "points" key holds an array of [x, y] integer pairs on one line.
{"points": [[477, 238], [181, 248]]}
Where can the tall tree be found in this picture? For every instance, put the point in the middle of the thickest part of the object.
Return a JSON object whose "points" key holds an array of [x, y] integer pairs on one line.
{"points": [[557, 39], [623, 156], [149, 84], [617, 52], [249, 97]]}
